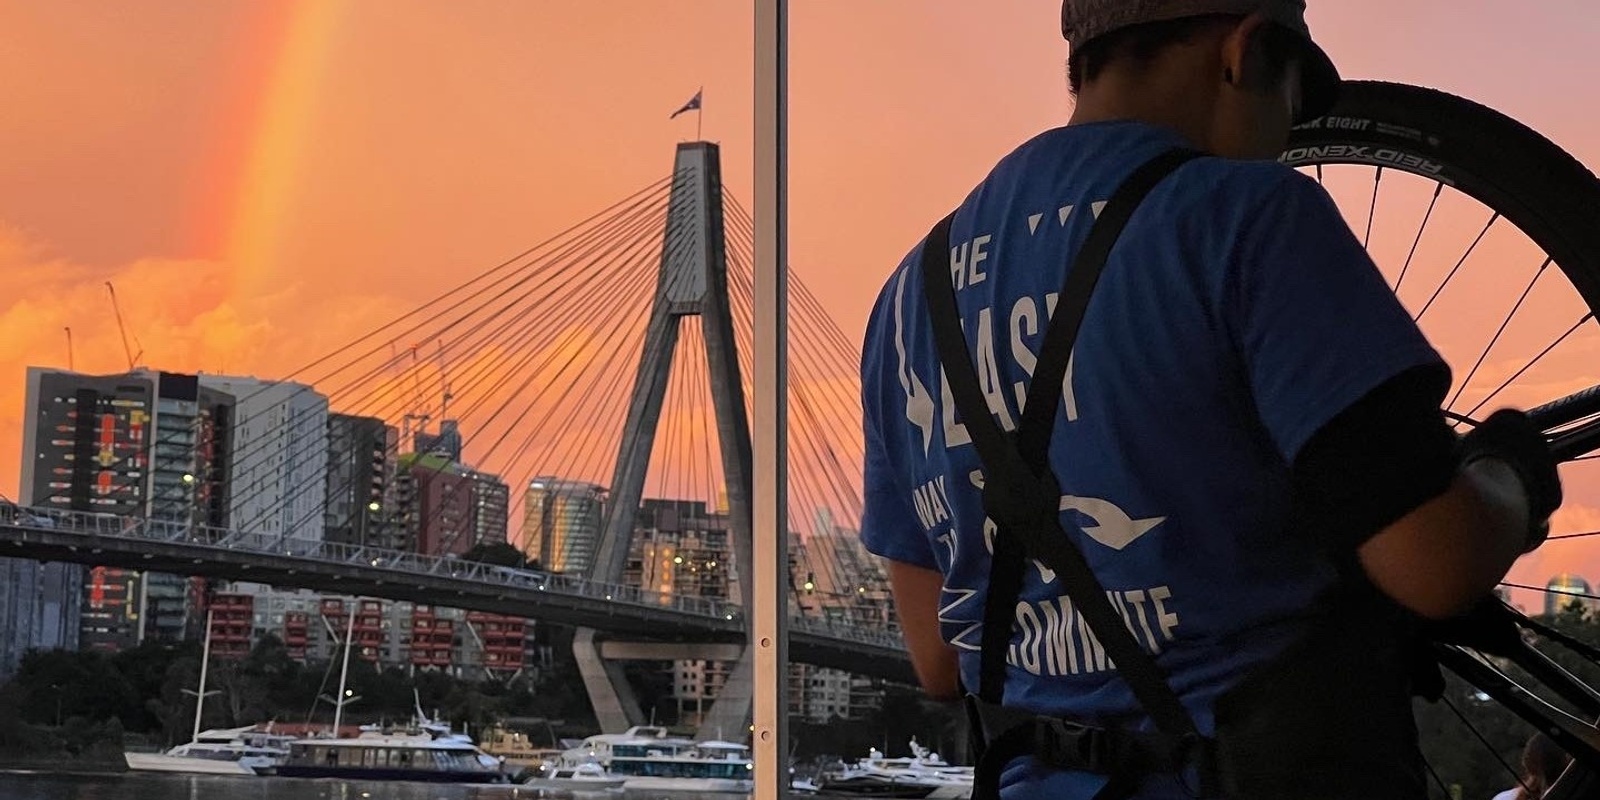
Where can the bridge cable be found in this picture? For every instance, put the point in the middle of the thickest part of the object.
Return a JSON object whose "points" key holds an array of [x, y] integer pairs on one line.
{"points": [[242, 399], [571, 319], [310, 485], [605, 412], [593, 281], [589, 240]]}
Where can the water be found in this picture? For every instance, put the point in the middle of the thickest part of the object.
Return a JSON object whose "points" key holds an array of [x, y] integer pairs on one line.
{"points": [[25, 785]]}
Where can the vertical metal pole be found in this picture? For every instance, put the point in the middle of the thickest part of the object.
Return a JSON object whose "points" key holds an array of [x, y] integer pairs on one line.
{"points": [[769, 629], [205, 661], [344, 670]]}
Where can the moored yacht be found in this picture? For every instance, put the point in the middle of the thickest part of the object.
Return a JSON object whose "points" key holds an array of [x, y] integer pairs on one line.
{"points": [[923, 776], [582, 778], [229, 751], [646, 757]]}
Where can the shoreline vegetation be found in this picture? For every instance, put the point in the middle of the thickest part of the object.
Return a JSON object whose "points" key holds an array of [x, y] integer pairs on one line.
{"points": [[75, 713]]}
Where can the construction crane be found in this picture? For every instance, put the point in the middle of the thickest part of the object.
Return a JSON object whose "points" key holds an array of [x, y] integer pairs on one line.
{"points": [[132, 356], [70, 366], [444, 408]]}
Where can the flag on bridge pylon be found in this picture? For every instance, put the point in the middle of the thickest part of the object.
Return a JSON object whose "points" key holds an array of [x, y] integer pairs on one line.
{"points": [[692, 105]]}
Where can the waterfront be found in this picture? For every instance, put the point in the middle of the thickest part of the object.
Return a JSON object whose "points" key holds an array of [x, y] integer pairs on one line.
{"points": [[33, 785]]}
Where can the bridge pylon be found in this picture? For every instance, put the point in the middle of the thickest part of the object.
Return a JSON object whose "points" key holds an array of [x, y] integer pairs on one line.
{"points": [[692, 281]]}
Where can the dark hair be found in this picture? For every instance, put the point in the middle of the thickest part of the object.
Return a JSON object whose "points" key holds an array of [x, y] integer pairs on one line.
{"points": [[1542, 762], [1140, 44]]}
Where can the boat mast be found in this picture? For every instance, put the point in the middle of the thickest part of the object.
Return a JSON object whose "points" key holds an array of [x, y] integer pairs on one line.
{"points": [[201, 695], [344, 669]]}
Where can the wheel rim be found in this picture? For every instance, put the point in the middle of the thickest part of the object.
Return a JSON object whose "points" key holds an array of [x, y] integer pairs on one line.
{"points": [[1502, 282]]}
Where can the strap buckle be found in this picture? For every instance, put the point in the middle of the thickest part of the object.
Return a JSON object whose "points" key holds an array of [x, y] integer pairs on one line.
{"points": [[1061, 744], [1014, 497]]}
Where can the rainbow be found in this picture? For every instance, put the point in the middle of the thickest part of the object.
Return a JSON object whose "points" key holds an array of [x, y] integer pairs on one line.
{"points": [[250, 188]]}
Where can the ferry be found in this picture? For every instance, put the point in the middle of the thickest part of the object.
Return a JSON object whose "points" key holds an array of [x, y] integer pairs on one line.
{"points": [[427, 753], [516, 749], [647, 758]]}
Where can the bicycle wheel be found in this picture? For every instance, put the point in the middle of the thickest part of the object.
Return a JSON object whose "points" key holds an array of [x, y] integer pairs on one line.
{"points": [[1516, 200]]}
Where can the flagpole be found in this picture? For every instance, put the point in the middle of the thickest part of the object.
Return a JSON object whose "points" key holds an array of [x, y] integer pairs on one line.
{"points": [[699, 120]]}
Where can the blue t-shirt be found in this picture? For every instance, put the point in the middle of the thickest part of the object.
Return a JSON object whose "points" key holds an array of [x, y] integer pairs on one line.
{"points": [[1237, 315]]}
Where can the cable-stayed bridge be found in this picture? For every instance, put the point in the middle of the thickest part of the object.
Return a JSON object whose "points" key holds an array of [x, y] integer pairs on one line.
{"points": [[615, 355]]}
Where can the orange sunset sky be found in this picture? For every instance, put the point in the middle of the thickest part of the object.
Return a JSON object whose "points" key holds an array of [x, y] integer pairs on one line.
{"points": [[264, 180]]}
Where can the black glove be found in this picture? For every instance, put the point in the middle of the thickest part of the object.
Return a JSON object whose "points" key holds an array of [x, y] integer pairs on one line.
{"points": [[1509, 436]]}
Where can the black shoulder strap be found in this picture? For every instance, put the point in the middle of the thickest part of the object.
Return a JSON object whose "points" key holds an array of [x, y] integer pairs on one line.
{"points": [[1020, 492]]}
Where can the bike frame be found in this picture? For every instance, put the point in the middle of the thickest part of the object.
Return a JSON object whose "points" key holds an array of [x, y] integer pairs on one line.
{"points": [[1497, 629]]}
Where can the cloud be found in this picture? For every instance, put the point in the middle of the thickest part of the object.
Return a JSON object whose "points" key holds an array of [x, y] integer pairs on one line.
{"points": [[181, 315]]}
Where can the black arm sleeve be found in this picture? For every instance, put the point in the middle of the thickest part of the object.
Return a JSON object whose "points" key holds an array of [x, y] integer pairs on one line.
{"points": [[1385, 455]]}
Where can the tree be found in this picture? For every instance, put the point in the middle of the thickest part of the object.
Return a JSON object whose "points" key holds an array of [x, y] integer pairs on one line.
{"points": [[498, 553], [59, 684]]}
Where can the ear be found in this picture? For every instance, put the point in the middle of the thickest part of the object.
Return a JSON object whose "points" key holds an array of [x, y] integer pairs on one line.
{"points": [[1241, 52]]}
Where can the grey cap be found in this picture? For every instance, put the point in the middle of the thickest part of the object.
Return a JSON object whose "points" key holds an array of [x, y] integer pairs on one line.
{"points": [[1085, 20]]}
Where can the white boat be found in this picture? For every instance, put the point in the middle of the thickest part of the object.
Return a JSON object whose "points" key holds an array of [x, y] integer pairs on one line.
{"points": [[234, 751], [923, 776], [425, 754], [589, 777], [647, 758], [230, 751]]}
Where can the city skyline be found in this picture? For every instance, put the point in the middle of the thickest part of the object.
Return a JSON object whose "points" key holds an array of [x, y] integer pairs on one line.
{"points": [[318, 178]]}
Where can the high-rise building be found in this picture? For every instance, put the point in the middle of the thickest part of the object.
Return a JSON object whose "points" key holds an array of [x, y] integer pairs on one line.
{"points": [[190, 457], [824, 695], [141, 444], [38, 608], [561, 523], [447, 442], [111, 609], [280, 464], [232, 629], [491, 503], [385, 633], [361, 468], [1566, 590], [681, 548], [847, 583], [81, 461], [438, 513]]}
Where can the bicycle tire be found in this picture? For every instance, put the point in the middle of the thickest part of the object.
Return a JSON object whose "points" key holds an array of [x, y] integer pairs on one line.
{"points": [[1510, 168]]}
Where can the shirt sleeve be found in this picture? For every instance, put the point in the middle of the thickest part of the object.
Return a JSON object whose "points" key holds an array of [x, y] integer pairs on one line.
{"points": [[889, 523], [1316, 323], [1376, 461]]}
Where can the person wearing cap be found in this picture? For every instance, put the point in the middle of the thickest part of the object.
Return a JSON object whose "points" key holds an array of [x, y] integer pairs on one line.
{"points": [[1249, 446]]}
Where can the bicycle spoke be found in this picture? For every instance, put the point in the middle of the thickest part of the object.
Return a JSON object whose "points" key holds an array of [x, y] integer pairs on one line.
{"points": [[1547, 590], [1457, 267], [1529, 365], [1583, 535], [1438, 188], [1501, 330], [1372, 208], [1511, 172], [1475, 732]]}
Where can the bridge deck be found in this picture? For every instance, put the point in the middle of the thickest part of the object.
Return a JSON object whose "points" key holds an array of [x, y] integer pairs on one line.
{"points": [[619, 610]]}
